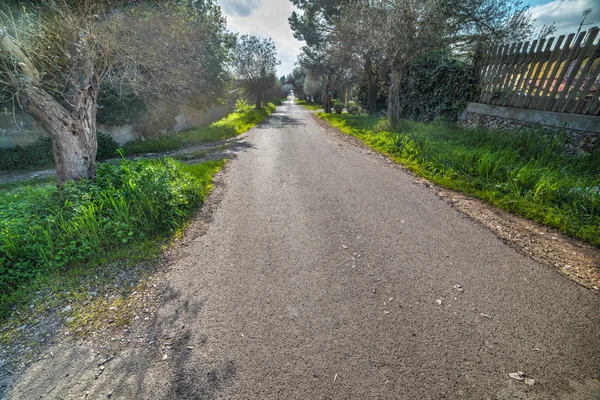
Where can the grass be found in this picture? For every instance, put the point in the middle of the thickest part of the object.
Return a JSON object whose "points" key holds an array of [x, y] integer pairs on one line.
{"points": [[230, 126], [309, 105], [58, 243], [527, 172]]}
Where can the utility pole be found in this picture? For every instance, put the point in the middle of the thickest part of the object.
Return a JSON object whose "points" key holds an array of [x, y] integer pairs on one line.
{"points": [[581, 24]]}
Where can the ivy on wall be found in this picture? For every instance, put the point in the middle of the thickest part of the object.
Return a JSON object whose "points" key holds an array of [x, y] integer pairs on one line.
{"points": [[437, 85]]}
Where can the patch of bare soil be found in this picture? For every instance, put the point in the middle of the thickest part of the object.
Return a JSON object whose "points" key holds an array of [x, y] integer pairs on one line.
{"points": [[575, 259]]}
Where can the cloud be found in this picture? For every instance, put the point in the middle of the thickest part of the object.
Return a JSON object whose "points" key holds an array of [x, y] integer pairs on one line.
{"points": [[240, 8], [566, 15], [268, 19]]}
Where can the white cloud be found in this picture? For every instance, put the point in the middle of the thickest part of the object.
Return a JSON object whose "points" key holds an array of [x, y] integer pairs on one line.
{"points": [[242, 8], [268, 19], [566, 14]]}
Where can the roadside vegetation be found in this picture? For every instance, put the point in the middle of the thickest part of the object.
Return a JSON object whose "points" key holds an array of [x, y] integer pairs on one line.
{"points": [[54, 238], [525, 172], [309, 105], [242, 119]]}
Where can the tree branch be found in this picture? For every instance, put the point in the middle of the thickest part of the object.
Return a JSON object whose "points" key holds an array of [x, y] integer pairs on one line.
{"points": [[27, 68]]}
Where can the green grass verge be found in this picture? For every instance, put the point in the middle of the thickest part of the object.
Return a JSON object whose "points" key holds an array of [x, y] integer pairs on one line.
{"points": [[309, 105], [61, 241], [528, 172], [230, 126]]}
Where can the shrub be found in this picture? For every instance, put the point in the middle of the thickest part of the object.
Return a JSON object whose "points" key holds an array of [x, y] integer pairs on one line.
{"points": [[437, 85], [242, 106], [40, 154], [338, 106], [354, 108], [107, 147]]}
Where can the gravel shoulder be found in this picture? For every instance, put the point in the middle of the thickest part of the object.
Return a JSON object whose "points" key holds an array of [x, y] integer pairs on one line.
{"points": [[320, 270]]}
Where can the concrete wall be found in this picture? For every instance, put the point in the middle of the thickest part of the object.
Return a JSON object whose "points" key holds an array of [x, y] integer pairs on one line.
{"points": [[583, 131], [21, 129], [18, 130]]}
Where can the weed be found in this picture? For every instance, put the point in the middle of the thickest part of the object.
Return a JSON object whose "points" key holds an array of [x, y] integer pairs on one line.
{"points": [[527, 172], [230, 126], [309, 105], [48, 233]]}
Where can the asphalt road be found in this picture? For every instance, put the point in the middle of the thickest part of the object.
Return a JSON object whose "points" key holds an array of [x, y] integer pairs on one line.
{"points": [[327, 273]]}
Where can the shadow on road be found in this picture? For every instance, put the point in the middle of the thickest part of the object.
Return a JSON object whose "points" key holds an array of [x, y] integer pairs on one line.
{"points": [[161, 359], [279, 120]]}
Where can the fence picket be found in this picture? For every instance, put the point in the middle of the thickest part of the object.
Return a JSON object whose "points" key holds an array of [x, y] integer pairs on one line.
{"points": [[549, 75]]}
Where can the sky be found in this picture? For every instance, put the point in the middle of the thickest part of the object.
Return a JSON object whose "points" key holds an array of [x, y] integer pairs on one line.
{"points": [[269, 18]]}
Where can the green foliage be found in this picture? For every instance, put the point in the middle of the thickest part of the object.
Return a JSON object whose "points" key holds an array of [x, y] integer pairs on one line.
{"points": [[254, 61], [309, 105], [354, 108], [107, 147], [338, 106], [438, 85], [36, 155], [44, 230], [234, 124], [40, 154], [527, 172], [242, 106], [120, 108]]}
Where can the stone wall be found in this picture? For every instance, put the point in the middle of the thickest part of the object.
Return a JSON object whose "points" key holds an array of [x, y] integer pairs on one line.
{"points": [[583, 131]]}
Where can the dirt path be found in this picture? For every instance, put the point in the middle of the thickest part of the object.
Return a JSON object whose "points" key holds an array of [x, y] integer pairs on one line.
{"points": [[327, 273]]}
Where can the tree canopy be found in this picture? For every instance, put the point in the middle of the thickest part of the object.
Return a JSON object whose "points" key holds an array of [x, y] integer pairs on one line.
{"points": [[255, 62], [57, 56]]}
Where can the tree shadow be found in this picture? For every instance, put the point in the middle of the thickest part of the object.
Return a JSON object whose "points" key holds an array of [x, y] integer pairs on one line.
{"points": [[160, 358], [279, 120]]}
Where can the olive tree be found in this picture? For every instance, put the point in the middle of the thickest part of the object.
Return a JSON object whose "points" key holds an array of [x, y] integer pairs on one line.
{"points": [[57, 55], [255, 62]]}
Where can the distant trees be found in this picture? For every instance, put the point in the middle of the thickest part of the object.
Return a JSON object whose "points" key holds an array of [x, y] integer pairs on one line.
{"points": [[376, 42], [56, 56], [254, 62]]}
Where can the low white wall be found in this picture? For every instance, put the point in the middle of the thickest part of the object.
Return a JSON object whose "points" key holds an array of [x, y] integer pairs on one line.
{"points": [[22, 130]]}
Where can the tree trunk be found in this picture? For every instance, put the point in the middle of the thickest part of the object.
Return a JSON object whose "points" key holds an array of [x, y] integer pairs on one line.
{"points": [[72, 127], [73, 133], [394, 95], [371, 86], [259, 97]]}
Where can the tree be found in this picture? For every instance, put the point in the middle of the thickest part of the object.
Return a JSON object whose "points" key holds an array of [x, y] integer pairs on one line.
{"points": [[314, 26], [400, 31], [296, 80], [255, 63], [57, 55]]}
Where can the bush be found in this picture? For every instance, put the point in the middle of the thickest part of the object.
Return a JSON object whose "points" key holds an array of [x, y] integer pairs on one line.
{"points": [[107, 147], [338, 106], [354, 108], [45, 229], [40, 154], [437, 85], [242, 106]]}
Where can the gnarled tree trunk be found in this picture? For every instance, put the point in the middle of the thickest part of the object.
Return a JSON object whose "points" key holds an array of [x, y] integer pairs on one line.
{"points": [[259, 99], [73, 133], [71, 127]]}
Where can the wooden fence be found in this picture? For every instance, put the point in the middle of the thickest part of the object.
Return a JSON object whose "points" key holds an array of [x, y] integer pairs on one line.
{"points": [[560, 76]]}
